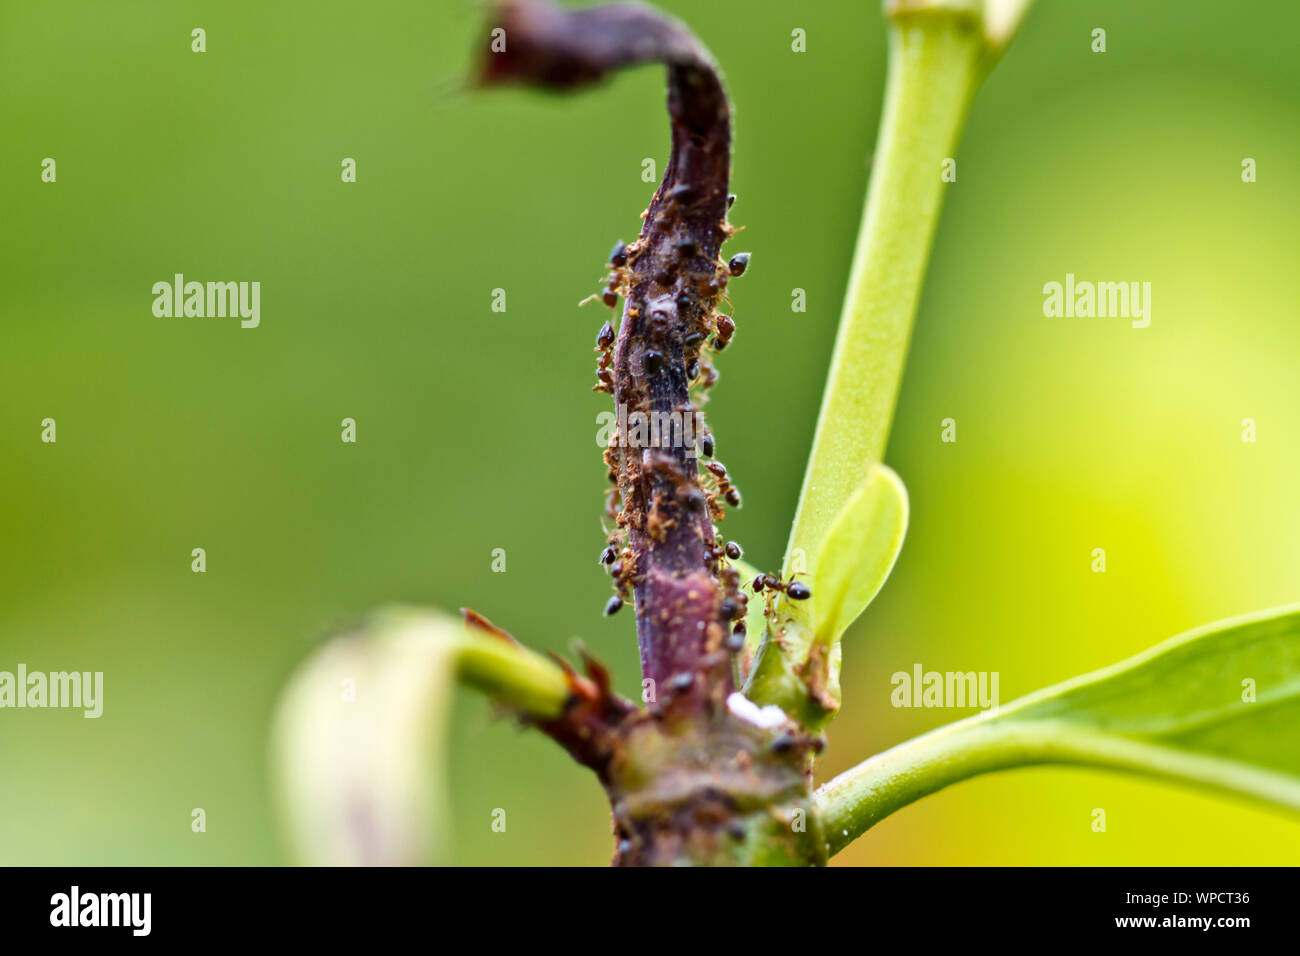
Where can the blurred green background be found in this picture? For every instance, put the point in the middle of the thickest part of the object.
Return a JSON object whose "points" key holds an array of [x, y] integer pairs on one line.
{"points": [[476, 429]]}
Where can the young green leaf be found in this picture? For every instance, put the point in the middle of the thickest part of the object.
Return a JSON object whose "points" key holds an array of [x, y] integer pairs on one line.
{"points": [[858, 553], [797, 663], [357, 742], [1218, 706]]}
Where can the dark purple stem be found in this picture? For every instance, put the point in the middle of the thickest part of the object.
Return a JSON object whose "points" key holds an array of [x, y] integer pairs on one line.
{"points": [[685, 598]]}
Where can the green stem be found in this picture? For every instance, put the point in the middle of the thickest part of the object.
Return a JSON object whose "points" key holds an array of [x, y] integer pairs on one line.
{"points": [[936, 60], [512, 675], [937, 56], [858, 799]]}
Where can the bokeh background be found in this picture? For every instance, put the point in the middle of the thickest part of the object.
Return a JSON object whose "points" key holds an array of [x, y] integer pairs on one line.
{"points": [[476, 429]]}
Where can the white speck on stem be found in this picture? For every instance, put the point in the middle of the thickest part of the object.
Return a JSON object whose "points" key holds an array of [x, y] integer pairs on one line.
{"points": [[746, 709]]}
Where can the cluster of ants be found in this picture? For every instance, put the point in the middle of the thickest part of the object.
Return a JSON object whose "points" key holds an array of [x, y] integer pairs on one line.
{"points": [[731, 608], [699, 370], [718, 482]]}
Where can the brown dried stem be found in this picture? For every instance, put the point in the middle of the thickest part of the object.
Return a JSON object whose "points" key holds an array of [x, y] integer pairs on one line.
{"points": [[671, 284]]}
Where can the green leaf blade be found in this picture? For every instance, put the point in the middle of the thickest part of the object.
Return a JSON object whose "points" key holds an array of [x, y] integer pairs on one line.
{"points": [[1181, 710], [1193, 683], [859, 552]]}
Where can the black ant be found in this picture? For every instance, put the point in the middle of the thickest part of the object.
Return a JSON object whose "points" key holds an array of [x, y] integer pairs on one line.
{"points": [[737, 639], [618, 257], [605, 346], [794, 590], [616, 281], [726, 327], [729, 492], [614, 563]]}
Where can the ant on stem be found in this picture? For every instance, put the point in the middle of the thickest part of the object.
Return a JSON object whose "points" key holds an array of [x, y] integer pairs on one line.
{"points": [[794, 590]]}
